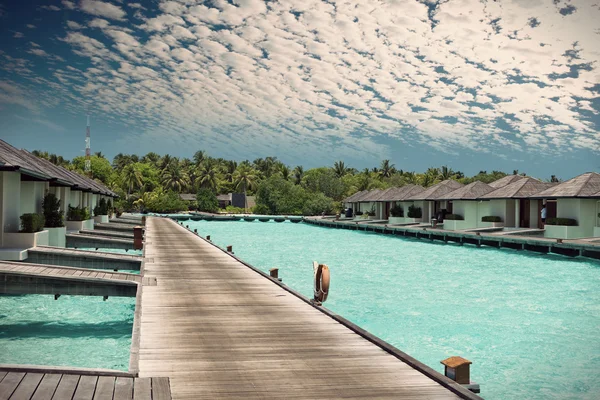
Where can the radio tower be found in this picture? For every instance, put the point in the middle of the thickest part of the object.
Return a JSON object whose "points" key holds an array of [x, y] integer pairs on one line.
{"points": [[88, 163]]}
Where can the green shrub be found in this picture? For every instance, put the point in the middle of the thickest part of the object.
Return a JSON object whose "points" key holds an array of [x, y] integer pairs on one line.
{"points": [[101, 208], [78, 213], [491, 218], [235, 210], [454, 217], [414, 212], [317, 203], [397, 211], [561, 221], [370, 213], [260, 209], [358, 213], [52, 215], [31, 223], [207, 201]]}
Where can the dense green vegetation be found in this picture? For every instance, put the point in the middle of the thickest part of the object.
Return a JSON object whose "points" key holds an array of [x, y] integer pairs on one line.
{"points": [[153, 182], [52, 214], [31, 223]]}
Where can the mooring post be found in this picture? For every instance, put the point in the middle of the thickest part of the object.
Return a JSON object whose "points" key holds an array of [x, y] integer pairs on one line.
{"points": [[143, 220], [137, 238], [230, 249], [208, 237], [274, 273], [458, 369], [196, 231]]}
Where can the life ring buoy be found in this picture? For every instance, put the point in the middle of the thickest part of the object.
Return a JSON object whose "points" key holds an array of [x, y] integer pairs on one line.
{"points": [[321, 284]]}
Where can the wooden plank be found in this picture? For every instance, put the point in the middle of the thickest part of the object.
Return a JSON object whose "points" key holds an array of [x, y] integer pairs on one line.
{"points": [[10, 383], [161, 389], [27, 386], [85, 388], [47, 387], [2, 375], [142, 389], [105, 388], [66, 387], [123, 389]]}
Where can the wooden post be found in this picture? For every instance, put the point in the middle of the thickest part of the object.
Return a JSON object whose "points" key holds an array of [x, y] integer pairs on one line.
{"points": [[208, 237], [196, 231], [138, 238], [230, 249], [274, 272], [143, 220]]}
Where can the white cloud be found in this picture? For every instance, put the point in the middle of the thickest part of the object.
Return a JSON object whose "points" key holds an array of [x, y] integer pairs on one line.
{"points": [[50, 8], [102, 9], [18, 35], [69, 5], [300, 73], [30, 26], [74, 25]]}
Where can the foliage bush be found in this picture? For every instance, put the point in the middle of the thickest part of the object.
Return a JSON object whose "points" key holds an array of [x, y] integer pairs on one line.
{"points": [[52, 215], [414, 212], [277, 196], [358, 213], [207, 201], [78, 213], [397, 211], [31, 223], [101, 208], [454, 217], [160, 201], [561, 221], [235, 210], [317, 203], [260, 209], [491, 218]]}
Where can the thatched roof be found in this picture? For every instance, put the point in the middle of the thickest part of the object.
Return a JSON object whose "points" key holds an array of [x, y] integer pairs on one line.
{"points": [[11, 159], [585, 185], [355, 196], [519, 189], [23, 161], [508, 179], [400, 193], [371, 196], [433, 192], [472, 191]]}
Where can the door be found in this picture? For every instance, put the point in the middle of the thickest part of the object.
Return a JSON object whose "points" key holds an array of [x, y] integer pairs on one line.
{"points": [[524, 212], [386, 211]]}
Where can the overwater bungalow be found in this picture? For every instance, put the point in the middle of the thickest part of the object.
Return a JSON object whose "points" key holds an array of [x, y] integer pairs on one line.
{"points": [[573, 207], [512, 204], [395, 197], [352, 201], [467, 209], [427, 200], [24, 181], [507, 180], [367, 203]]}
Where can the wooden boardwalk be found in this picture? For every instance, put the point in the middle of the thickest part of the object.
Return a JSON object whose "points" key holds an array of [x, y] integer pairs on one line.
{"points": [[24, 278], [219, 329], [45, 384]]}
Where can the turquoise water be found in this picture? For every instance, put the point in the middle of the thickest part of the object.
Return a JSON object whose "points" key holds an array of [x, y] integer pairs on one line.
{"points": [[73, 331], [77, 331], [529, 323]]}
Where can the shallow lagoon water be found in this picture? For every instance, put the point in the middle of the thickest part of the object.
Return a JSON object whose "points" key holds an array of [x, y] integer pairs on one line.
{"points": [[530, 323], [78, 331]]}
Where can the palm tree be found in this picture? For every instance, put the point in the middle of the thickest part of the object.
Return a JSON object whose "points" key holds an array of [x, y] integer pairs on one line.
{"points": [[99, 154], [132, 177], [229, 170], [298, 174], [340, 169], [245, 177], [386, 170], [208, 175], [411, 177], [174, 177], [165, 161], [151, 157], [199, 157], [446, 173], [284, 170]]}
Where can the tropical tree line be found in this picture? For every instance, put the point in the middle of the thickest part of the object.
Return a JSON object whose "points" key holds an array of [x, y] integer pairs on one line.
{"points": [[153, 182]]}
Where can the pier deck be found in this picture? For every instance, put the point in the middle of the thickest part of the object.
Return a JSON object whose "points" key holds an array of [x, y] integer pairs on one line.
{"points": [[24, 278], [18, 383], [220, 329], [83, 258]]}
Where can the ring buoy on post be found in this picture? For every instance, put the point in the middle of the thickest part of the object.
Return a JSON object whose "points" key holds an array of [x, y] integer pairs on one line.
{"points": [[321, 283]]}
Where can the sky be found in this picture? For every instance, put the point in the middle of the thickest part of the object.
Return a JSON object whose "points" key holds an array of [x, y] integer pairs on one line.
{"points": [[475, 85]]}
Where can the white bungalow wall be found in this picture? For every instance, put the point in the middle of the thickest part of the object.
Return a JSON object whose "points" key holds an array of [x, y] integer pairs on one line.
{"points": [[75, 198], [581, 210], [32, 196]]}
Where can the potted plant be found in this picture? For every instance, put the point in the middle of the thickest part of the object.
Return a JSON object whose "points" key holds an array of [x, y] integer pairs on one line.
{"points": [[54, 221], [396, 215], [31, 234], [562, 228], [101, 211], [492, 221], [452, 221], [414, 214], [78, 218]]}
